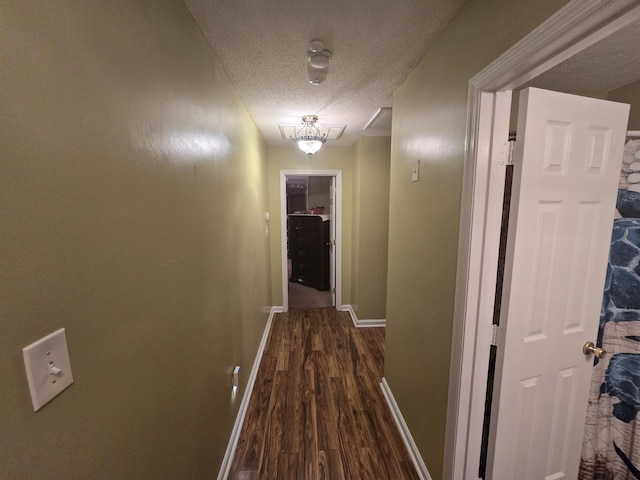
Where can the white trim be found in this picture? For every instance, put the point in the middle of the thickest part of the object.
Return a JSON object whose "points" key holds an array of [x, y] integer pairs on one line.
{"points": [[364, 323], [576, 26], [407, 438], [338, 229], [352, 313], [372, 323], [469, 268], [242, 411]]}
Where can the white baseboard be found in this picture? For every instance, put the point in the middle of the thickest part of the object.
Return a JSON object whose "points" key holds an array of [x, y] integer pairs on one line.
{"points": [[363, 323], [237, 426], [416, 458]]}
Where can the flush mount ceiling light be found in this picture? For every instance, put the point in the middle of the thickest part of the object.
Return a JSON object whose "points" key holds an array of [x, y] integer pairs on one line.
{"points": [[308, 136], [318, 62]]}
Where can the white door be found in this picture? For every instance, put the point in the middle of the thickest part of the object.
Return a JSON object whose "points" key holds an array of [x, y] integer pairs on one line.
{"points": [[567, 165]]}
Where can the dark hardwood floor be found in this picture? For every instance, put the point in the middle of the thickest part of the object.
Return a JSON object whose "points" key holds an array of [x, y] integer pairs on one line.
{"points": [[317, 410]]}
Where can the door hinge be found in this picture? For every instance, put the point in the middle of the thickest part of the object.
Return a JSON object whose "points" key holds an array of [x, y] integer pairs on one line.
{"points": [[494, 336], [497, 336], [508, 146], [333, 290]]}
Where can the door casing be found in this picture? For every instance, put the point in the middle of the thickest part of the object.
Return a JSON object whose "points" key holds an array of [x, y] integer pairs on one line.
{"points": [[576, 26]]}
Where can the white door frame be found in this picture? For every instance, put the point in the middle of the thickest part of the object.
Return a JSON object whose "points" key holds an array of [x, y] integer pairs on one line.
{"points": [[578, 25], [337, 257]]}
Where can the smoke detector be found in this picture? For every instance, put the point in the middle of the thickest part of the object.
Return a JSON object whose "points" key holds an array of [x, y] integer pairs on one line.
{"points": [[318, 62]]}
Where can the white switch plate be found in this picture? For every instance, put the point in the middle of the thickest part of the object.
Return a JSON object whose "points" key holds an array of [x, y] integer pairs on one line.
{"points": [[48, 367], [415, 172], [235, 377]]}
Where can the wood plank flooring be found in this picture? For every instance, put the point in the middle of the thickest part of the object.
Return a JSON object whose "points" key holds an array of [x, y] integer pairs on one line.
{"points": [[317, 410]]}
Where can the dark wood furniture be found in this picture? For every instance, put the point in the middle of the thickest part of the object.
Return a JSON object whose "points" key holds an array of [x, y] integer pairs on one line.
{"points": [[296, 198], [308, 237]]}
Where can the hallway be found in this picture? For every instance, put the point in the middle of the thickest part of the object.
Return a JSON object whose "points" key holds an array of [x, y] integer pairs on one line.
{"points": [[317, 410]]}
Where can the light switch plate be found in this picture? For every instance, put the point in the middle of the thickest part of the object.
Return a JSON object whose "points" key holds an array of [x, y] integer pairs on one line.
{"points": [[235, 377], [415, 172], [48, 367]]}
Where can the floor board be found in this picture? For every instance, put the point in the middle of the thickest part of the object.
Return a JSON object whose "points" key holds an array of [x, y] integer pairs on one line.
{"points": [[317, 410]]}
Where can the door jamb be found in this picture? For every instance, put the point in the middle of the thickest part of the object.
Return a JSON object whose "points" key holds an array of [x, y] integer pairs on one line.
{"points": [[576, 26], [337, 208]]}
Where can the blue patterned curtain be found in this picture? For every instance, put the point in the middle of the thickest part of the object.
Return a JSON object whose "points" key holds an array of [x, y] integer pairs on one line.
{"points": [[611, 448]]}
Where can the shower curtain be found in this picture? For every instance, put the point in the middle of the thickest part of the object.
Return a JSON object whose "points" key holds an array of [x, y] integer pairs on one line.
{"points": [[611, 447]]}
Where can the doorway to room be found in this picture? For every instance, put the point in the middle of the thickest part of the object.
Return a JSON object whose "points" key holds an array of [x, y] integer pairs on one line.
{"points": [[311, 238]]}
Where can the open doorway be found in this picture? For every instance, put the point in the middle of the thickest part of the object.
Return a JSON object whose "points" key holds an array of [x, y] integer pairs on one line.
{"points": [[311, 237], [308, 217]]}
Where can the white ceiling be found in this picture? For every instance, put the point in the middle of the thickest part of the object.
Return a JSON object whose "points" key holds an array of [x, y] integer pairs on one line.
{"points": [[262, 47], [609, 64]]}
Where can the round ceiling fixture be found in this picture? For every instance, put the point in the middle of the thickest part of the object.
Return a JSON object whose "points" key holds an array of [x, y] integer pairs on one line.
{"points": [[318, 58], [316, 46]]}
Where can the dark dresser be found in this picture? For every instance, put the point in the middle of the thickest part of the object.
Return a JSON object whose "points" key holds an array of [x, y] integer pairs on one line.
{"points": [[308, 237]]}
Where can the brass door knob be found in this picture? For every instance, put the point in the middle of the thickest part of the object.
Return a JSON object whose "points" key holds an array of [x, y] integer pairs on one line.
{"points": [[589, 347]]}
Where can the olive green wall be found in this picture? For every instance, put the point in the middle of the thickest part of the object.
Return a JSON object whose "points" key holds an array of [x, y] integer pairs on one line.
{"points": [[370, 227], [629, 94], [289, 157], [132, 200], [429, 117]]}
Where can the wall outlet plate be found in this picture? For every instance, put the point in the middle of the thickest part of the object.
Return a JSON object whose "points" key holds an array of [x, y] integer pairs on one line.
{"points": [[48, 368]]}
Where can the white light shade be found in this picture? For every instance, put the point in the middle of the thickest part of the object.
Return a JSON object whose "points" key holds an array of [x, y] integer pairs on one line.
{"points": [[308, 136], [309, 146]]}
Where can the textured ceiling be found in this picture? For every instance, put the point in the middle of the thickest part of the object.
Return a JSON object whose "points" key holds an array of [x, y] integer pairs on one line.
{"points": [[609, 64], [262, 47]]}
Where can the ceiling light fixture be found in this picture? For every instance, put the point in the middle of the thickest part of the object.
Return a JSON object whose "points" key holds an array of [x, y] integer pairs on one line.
{"points": [[318, 62], [308, 136]]}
